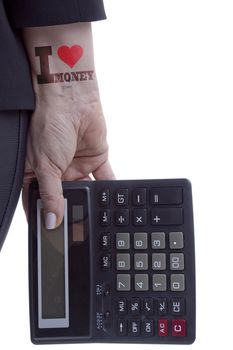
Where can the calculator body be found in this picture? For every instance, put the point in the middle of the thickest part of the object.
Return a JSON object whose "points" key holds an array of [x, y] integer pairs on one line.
{"points": [[119, 269]]}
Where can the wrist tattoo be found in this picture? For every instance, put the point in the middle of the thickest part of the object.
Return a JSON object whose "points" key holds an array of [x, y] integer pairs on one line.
{"points": [[70, 56]]}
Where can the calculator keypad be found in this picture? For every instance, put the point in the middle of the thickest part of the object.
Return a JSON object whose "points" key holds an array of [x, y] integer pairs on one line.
{"points": [[147, 245], [149, 307], [158, 260]]}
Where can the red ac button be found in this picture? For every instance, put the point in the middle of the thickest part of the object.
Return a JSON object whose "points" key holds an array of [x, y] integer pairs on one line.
{"points": [[178, 328], [163, 328]]}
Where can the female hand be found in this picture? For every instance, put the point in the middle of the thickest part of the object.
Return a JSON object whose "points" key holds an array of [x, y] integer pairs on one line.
{"points": [[67, 133]]}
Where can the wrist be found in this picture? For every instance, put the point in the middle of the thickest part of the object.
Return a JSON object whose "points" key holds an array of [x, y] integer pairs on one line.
{"points": [[60, 56], [65, 96]]}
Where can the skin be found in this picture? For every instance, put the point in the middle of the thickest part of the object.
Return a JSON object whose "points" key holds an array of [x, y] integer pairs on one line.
{"points": [[67, 133]]}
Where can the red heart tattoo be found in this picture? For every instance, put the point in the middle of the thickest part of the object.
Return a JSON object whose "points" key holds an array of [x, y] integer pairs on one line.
{"points": [[70, 55]]}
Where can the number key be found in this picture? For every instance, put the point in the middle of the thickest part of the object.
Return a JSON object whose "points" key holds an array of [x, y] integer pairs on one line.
{"points": [[159, 261], [140, 261], [141, 282], [159, 283], [123, 282], [122, 240], [140, 240], [177, 261], [123, 261], [177, 283], [158, 240]]}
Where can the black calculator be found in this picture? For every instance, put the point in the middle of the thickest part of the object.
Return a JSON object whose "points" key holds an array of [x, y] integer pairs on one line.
{"points": [[119, 269]]}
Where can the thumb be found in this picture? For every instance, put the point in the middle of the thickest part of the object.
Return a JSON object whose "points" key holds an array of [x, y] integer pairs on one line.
{"points": [[51, 194]]}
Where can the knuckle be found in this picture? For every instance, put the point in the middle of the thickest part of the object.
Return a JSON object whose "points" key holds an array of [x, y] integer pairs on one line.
{"points": [[47, 167], [50, 197]]}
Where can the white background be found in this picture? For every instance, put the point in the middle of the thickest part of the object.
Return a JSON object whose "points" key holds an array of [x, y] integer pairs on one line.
{"points": [[165, 71]]}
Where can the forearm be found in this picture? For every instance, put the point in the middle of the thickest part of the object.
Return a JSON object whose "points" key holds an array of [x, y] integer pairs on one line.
{"points": [[62, 59]]}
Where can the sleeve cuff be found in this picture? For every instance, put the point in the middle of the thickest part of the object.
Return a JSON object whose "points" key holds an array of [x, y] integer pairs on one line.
{"points": [[31, 13]]}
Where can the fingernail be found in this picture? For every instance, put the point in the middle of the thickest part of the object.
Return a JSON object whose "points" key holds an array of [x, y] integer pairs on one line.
{"points": [[50, 221]]}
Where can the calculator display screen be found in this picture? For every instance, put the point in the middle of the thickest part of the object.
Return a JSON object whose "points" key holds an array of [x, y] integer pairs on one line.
{"points": [[53, 272], [78, 223], [63, 269], [53, 280]]}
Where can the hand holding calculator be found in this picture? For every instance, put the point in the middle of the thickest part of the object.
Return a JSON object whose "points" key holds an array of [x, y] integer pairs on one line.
{"points": [[120, 268]]}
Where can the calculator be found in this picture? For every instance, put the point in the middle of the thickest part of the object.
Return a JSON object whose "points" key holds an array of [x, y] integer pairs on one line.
{"points": [[119, 269]]}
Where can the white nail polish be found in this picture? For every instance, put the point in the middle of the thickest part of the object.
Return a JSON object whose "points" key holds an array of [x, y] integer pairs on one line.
{"points": [[50, 221]]}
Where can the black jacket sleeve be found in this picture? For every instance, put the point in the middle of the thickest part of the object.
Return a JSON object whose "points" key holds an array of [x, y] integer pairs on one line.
{"points": [[35, 13]]}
